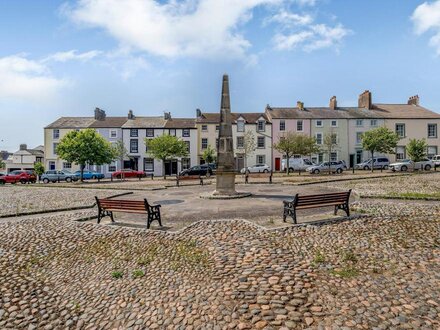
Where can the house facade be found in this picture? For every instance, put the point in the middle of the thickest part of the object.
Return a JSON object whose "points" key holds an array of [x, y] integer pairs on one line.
{"points": [[251, 132], [24, 158]]}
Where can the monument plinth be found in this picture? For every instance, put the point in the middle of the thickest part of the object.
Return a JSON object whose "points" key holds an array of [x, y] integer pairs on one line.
{"points": [[225, 175]]}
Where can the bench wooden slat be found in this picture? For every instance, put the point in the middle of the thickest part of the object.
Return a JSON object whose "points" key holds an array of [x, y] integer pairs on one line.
{"points": [[339, 200], [106, 207]]}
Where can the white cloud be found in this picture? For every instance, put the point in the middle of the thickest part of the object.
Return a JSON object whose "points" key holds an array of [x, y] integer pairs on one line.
{"points": [[126, 64], [426, 17], [203, 28], [310, 3], [25, 79], [290, 19], [73, 55], [288, 42]]}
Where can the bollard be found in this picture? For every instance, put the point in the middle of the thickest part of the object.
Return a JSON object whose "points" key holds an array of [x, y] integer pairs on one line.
{"points": [[352, 169]]}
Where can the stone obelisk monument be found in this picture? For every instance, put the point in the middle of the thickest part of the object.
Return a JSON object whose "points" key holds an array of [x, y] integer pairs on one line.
{"points": [[225, 182]]}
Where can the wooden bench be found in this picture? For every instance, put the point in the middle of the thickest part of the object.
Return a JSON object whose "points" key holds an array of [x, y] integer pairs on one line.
{"points": [[339, 200], [189, 177], [106, 207], [258, 175]]}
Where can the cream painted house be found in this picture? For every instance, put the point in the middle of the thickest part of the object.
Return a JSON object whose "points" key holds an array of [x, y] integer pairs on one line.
{"points": [[24, 158], [256, 123]]}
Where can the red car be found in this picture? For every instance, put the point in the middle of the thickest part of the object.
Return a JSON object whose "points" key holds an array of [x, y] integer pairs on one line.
{"points": [[128, 174], [19, 176]]}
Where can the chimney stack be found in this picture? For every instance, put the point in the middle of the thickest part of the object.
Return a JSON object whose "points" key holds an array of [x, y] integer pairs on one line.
{"points": [[414, 100], [130, 114], [198, 113], [167, 115], [365, 100], [300, 105], [23, 146], [99, 114], [268, 107], [333, 103]]}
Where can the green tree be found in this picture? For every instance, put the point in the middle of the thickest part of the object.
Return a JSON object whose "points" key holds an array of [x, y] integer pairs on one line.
{"points": [[381, 139], [85, 147], [120, 153], [249, 145], [39, 169], [166, 147], [296, 144], [417, 149], [209, 155], [2, 164], [330, 144]]}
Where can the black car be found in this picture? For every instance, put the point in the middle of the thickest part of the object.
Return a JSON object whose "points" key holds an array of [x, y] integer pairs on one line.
{"points": [[204, 170]]}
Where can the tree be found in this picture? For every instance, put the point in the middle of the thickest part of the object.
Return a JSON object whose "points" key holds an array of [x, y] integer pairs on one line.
{"points": [[381, 139], [39, 169], [2, 164], [296, 144], [249, 145], [120, 153], [417, 149], [85, 147], [330, 144], [209, 155], [166, 147]]}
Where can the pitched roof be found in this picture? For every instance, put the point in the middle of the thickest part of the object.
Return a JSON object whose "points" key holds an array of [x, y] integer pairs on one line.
{"points": [[180, 123], [145, 122], [404, 111], [249, 117], [72, 122], [110, 122]]}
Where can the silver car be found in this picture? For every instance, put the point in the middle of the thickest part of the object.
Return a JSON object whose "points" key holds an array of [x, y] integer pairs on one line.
{"points": [[337, 167], [379, 162], [54, 176]]}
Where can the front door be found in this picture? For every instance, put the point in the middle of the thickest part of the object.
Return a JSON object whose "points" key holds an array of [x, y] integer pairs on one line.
{"points": [[351, 161], [171, 167], [277, 164], [358, 156], [239, 162]]}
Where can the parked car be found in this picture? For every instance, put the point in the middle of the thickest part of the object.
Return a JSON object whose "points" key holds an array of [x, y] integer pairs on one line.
{"points": [[87, 175], [213, 167], [436, 160], [407, 164], [54, 176], [18, 176], [197, 170], [128, 173], [337, 167], [258, 168], [296, 164], [378, 163]]}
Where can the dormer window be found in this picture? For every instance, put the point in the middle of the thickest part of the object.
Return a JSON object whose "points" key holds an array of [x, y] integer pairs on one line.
{"points": [[240, 126], [261, 126]]}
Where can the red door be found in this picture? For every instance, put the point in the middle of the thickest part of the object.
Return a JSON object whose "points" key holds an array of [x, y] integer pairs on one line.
{"points": [[277, 164]]}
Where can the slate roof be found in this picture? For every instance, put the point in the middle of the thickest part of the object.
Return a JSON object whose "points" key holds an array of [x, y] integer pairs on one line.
{"points": [[180, 123], [402, 111], [145, 122], [110, 122], [72, 122]]}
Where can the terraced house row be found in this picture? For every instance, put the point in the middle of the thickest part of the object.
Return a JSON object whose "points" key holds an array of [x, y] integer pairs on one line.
{"points": [[257, 131]]}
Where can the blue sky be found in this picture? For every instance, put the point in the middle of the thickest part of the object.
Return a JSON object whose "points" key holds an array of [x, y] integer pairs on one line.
{"points": [[64, 58]]}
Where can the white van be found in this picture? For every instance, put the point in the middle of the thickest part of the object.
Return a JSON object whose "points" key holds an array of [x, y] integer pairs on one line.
{"points": [[296, 164], [436, 160]]}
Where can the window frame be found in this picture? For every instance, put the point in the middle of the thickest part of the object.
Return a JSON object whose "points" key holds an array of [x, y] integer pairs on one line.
{"points": [[282, 125], [404, 130], [359, 123], [203, 145], [435, 130], [134, 132], [319, 121], [204, 128], [186, 132], [240, 145], [318, 141], [149, 132], [240, 125], [298, 124], [263, 157], [57, 135], [335, 121], [259, 139], [113, 131], [263, 126], [132, 148], [152, 164]]}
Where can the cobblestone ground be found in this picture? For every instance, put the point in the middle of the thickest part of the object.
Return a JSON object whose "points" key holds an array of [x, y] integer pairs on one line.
{"points": [[416, 185], [18, 199], [378, 272]]}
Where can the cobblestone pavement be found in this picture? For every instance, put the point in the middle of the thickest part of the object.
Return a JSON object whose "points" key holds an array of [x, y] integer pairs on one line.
{"points": [[378, 272], [416, 185], [17, 199]]}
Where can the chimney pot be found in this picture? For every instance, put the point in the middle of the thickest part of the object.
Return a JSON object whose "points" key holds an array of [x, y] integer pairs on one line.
{"points": [[23, 146], [198, 113], [167, 115], [99, 114], [130, 114], [414, 100], [364, 100], [300, 105], [333, 103]]}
